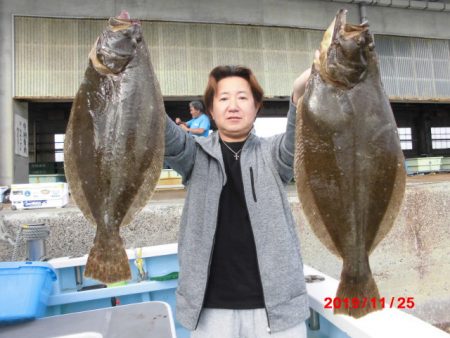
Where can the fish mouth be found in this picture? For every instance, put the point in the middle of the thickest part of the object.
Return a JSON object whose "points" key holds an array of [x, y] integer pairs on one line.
{"points": [[340, 22], [339, 29], [332, 32], [122, 21], [124, 15], [116, 45], [343, 53]]}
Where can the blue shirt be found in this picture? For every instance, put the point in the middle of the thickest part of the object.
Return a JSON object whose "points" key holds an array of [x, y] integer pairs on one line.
{"points": [[200, 122]]}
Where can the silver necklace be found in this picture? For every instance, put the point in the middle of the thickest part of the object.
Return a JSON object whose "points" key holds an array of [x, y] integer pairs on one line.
{"points": [[236, 153]]}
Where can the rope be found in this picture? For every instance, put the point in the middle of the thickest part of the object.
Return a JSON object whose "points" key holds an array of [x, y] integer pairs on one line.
{"points": [[17, 244], [4, 234], [29, 233]]}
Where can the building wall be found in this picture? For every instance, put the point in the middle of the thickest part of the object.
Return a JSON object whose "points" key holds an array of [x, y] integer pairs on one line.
{"points": [[414, 68], [183, 54], [315, 14]]}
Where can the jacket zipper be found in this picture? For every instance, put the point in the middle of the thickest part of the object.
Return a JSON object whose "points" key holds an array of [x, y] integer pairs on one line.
{"points": [[262, 288], [253, 184], [257, 260], [207, 278]]}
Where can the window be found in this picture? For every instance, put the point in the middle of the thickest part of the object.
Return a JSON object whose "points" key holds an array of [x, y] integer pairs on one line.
{"points": [[405, 138], [59, 147], [440, 138]]}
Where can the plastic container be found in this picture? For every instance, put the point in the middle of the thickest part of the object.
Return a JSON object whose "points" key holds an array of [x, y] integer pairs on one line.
{"points": [[24, 290]]}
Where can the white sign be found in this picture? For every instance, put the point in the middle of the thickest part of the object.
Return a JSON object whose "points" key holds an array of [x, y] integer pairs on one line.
{"points": [[21, 136]]}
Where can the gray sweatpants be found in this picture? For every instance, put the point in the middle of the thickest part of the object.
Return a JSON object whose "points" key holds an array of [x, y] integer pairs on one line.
{"points": [[223, 323]]}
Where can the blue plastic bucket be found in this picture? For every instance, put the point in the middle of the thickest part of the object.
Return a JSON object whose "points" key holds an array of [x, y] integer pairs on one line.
{"points": [[24, 290]]}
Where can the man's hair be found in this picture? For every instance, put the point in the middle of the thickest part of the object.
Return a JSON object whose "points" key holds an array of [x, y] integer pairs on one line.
{"points": [[222, 72], [198, 105]]}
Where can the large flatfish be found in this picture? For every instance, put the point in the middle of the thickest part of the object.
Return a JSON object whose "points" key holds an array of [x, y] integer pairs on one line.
{"points": [[349, 166], [114, 142]]}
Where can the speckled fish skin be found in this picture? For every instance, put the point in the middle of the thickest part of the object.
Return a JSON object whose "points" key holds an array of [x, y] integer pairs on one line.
{"points": [[349, 166], [114, 142]]}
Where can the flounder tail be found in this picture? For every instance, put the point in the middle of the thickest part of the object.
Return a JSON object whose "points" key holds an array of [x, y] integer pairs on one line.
{"points": [[108, 260], [357, 296]]}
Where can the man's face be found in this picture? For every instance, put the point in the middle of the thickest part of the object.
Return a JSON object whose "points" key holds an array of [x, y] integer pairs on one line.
{"points": [[234, 109], [194, 112]]}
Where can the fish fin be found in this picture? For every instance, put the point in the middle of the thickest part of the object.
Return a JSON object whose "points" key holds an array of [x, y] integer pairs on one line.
{"points": [[361, 294], [108, 260], [394, 205], [71, 161], [147, 187], [304, 190]]}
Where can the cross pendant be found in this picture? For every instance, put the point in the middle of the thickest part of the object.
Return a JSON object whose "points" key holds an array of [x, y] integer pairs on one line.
{"points": [[236, 157]]}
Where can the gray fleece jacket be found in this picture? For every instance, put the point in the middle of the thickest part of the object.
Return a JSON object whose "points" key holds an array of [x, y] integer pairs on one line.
{"points": [[266, 164]]}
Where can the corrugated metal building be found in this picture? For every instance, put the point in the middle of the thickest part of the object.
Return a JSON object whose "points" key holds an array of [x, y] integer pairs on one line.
{"points": [[46, 49]]}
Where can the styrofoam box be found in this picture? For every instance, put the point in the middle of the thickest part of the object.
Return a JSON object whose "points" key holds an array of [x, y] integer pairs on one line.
{"points": [[39, 195]]}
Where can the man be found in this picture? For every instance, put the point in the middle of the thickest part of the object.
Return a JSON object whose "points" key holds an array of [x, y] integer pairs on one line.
{"points": [[241, 272], [199, 124]]}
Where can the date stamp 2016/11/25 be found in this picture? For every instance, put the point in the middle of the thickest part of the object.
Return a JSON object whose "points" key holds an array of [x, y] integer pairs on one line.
{"points": [[375, 303]]}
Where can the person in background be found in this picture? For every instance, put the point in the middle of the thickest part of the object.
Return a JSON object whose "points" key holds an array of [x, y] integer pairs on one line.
{"points": [[199, 124]]}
